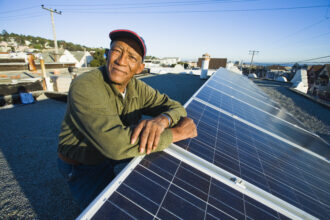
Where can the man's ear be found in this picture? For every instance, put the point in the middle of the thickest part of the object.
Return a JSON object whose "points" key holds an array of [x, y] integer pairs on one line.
{"points": [[141, 68]]}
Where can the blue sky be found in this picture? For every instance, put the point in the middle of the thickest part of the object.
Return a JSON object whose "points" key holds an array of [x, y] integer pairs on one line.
{"points": [[282, 30]]}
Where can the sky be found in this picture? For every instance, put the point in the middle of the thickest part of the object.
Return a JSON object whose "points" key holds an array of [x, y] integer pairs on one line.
{"points": [[281, 30]]}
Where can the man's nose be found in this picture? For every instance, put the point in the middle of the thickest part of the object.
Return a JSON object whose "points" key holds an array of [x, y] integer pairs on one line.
{"points": [[122, 59]]}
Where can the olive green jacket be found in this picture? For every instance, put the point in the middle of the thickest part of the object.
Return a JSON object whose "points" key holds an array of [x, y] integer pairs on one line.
{"points": [[98, 123]]}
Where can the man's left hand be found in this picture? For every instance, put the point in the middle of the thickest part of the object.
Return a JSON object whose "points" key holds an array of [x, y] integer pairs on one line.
{"points": [[149, 132]]}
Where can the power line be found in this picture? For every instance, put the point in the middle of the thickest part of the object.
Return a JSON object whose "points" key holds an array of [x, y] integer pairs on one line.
{"points": [[311, 59], [153, 3], [197, 11], [300, 30], [318, 58], [20, 18], [21, 15], [16, 10]]}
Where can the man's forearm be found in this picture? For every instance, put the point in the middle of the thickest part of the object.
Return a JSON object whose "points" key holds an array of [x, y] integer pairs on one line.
{"points": [[186, 128]]}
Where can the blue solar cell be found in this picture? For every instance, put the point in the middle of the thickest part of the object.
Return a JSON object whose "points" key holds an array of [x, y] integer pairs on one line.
{"points": [[189, 194], [266, 121], [265, 161], [242, 85]]}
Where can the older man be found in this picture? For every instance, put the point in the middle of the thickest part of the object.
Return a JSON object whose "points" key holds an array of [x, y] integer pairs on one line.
{"points": [[102, 128]]}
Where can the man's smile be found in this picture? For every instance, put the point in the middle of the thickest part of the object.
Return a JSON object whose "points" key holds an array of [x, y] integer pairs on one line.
{"points": [[118, 70]]}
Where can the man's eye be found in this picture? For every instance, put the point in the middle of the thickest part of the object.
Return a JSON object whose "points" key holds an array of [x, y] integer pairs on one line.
{"points": [[133, 58], [115, 50]]}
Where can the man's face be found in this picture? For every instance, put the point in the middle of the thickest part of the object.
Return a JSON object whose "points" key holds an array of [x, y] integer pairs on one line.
{"points": [[124, 62]]}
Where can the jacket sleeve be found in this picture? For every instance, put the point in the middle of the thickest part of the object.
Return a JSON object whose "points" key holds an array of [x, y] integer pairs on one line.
{"points": [[94, 115], [156, 103]]}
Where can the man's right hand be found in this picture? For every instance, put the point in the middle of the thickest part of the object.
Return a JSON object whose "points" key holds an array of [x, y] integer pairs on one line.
{"points": [[186, 128]]}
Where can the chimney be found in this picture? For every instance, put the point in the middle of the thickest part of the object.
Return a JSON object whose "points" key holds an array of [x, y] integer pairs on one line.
{"points": [[205, 65]]}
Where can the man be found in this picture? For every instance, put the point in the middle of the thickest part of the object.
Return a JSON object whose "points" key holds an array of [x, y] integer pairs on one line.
{"points": [[102, 128]]}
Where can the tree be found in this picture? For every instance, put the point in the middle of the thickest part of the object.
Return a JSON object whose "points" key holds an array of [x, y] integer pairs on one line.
{"points": [[98, 58], [4, 33]]}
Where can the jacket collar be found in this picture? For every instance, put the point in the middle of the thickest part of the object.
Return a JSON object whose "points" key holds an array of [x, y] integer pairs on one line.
{"points": [[130, 89]]}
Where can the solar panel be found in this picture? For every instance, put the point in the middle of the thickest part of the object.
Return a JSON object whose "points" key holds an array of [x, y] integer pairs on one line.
{"points": [[247, 87], [271, 164], [246, 163], [266, 121], [164, 187], [267, 107]]}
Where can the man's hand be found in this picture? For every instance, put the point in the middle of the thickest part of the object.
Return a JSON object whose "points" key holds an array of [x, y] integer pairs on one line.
{"points": [[149, 132], [186, 128]]}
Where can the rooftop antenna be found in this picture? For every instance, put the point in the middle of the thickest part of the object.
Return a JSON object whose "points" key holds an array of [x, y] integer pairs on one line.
{"points": [[53, 26]]}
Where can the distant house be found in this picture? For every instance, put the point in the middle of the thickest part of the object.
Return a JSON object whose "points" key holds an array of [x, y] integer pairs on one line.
{"points": [[4, 54], [65, 56], [192, 64], [277, 68], [312, 74], [318, 78], [214, 63], [4, 47], [83, 58], [168, 61], [274, 71]]}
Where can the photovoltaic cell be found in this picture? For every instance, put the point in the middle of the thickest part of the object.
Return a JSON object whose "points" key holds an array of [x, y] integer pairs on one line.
{"points": [[162, 187], [275, 166], [259, 118], [257, 103], [242, 84]]}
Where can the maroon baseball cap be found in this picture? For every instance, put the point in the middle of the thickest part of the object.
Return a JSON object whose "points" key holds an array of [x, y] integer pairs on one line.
{"points": [[117, 34]]}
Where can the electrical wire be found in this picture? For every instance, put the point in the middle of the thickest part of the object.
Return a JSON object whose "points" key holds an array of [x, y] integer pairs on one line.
{"points": [[307, 61], [141, 6], [16, 10], [300, 30], [21, 18], [22, 15], [199, 11], [160, 4], [314, 37]]}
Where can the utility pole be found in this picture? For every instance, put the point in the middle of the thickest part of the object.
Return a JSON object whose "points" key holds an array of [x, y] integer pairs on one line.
{"points": [[253, 52], [53, 25]]}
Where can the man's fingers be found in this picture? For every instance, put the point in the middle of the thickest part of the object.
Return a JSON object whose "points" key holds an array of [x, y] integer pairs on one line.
{"points": [[144, 137], [151, 140], [156, 141], [137, 131]]}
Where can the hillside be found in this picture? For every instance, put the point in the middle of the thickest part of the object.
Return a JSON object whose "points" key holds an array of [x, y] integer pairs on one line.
{"points": [[13, 42]]}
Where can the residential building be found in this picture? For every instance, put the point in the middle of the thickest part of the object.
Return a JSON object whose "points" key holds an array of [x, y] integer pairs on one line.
{"points": [[312, 74], [79, 58], [274, 71], [169, 61], [83, 58], [319, 78], [214, 63]]}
